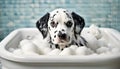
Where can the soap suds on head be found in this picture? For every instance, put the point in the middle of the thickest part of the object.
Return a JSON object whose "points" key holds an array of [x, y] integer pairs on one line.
{"points": [[100, 42]]}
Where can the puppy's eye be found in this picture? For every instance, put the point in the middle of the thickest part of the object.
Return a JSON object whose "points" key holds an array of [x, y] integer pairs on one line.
{"points": [[69, 24], [52, 24]]}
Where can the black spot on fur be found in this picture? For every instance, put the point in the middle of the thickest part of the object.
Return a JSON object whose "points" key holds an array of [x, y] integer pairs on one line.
{"points": [[77, 44], [57, 23], [55, 31], [56, 11], [57, 46], [50, 46], [63, 30], [50, 41], [81, 44], [49, 28], [54, 15], [68, 15], [54, 36], [64, 11], [66, 46]]}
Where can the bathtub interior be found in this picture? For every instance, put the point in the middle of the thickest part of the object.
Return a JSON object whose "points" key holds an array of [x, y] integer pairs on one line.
{"points": [[14, 42], [18, 35]]}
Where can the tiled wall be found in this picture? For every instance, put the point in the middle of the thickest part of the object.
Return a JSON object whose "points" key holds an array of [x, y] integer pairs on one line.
{"points": [[24, 13]]}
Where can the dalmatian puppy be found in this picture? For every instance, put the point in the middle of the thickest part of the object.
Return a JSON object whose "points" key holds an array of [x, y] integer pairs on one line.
{"points": [[62, 28]]}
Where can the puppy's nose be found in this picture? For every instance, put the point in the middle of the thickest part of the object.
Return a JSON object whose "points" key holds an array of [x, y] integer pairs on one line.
{"points": [[61, 35]]}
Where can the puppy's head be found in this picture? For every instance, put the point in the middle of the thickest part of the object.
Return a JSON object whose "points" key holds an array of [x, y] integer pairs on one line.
{"points": [[61, 25]]}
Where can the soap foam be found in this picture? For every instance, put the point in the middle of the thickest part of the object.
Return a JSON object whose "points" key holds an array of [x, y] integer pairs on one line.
{"points": [[100, 42]]}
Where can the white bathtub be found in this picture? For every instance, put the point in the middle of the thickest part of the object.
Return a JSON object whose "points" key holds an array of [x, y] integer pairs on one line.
{"points": [[11, 61]]}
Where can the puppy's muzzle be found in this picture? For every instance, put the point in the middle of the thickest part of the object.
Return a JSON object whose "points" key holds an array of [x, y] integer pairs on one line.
{"points": [[62, 35]]}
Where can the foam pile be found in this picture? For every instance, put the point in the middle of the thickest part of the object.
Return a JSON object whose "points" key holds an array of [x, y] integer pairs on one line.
{"points": [[100, 42]]}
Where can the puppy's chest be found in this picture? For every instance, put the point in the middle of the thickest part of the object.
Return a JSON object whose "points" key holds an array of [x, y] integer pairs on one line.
{"points": [[58, 46], [62, 46]]}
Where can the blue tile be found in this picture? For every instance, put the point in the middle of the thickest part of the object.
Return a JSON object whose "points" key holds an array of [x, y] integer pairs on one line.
{"points": [[25, 12]]}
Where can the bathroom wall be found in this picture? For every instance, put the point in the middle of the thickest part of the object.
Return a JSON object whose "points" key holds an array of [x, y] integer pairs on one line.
{"points": [[24, 13]]}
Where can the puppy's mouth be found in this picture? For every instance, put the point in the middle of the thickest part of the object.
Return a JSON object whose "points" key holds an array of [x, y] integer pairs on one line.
{"points": [[62, 41], [65, 40]]}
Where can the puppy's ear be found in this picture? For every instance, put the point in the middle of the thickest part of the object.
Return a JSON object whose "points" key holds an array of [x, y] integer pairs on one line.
{"points": [[79, 23], [42, 24]]}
